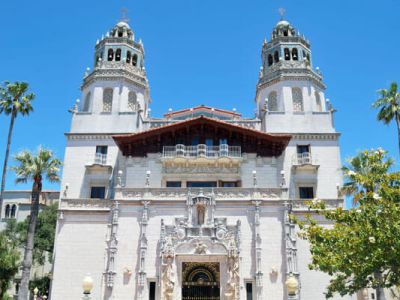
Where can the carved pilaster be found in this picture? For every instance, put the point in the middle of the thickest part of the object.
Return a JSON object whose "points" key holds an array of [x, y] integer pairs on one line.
{"points": [[290, 244], [112, 246], [141, 276], [258, 250]]}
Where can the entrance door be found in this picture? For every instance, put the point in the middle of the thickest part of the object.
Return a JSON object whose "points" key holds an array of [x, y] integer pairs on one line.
{"points": [[200, 281]]}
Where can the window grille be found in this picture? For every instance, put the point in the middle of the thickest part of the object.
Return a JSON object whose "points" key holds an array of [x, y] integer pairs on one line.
{"points": [[107, 100], [273, 101], [297, 97]]}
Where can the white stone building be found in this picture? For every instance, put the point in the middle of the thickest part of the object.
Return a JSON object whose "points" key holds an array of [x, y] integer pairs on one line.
{"points": [[194, 205]]}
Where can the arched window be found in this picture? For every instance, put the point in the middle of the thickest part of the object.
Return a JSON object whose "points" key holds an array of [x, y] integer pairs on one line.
{"points": [[107, 100], [7, 211], [297, 97], [308, 56], [273, 101], [276, 56], [270, 60], [13, 211], [287, 54], [118, 55], [132, 101], [134, 59], [318, 101], [295, 54], [128, 57], [285, 33], [110, 55]]}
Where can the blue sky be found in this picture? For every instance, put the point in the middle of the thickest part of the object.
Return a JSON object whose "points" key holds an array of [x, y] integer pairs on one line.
{"points": [[199, 52]]}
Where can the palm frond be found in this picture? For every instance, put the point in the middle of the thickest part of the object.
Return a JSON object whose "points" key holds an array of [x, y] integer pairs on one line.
{"points": [[15, 99], [32, 166]]}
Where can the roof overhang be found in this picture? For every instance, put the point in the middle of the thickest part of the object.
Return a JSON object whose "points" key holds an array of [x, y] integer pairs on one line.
{"points": [[153, 140]]}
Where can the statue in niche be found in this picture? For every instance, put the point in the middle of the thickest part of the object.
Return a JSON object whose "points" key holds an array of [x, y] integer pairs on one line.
{"points": [[168, 278], [201, 212]]}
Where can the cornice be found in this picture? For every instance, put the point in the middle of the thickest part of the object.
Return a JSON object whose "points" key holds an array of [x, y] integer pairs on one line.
{"points": [[91, 136], [334, 136]]}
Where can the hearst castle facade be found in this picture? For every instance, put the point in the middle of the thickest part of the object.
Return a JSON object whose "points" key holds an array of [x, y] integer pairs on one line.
{"points": [[194, 205]]}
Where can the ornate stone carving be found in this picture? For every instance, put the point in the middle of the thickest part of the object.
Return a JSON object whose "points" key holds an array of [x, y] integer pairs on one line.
{"points": [[201, 248], [189, 236], [112, 246], [233, 282], [291, 247], [143, 248], [168, 278]]}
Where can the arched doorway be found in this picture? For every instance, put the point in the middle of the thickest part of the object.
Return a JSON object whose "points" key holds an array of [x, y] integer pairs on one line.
{"points": [[200, 281]]}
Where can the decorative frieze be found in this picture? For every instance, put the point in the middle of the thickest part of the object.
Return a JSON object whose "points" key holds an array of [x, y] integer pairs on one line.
{"points": [[182, 193]]}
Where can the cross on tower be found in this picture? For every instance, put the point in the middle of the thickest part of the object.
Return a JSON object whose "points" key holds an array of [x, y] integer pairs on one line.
{"points": [[124, 15], [282, 12]]}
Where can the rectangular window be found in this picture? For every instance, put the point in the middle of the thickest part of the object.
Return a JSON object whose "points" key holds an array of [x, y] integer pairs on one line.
{"points": [[229, 184], [201, 184], [174, 184], [101, 149], [97, 192], [249, 291], [101, 155], [306, 192], [152, 290], [303, 149]]}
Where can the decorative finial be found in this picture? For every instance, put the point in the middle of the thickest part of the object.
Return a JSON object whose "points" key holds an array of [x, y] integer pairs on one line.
{"points": [[124, 15], [282, 12]]}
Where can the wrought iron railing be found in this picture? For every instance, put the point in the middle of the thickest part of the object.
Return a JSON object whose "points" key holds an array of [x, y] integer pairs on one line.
{"points": [[202, 150]]}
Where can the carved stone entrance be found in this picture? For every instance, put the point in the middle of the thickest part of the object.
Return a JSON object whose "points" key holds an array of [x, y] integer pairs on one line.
{"points": [[201, 281], [193, 251]]}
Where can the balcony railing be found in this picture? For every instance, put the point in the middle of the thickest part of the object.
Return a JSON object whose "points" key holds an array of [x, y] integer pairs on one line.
{"points": [[98, 159], [202, 150], [305, 158]]}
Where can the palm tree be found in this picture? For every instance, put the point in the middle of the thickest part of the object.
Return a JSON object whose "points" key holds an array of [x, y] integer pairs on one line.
{"points": [[14, 100], [33, 167], [389, 107], [364, 174]]}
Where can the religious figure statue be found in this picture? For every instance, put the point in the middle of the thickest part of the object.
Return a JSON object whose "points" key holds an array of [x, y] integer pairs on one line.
{"points": [[168, 278], [201, 210], [233, 277]]}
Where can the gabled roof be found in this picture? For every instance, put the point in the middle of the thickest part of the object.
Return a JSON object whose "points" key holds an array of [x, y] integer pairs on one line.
{"points": [[152, 140], [188, 111]]}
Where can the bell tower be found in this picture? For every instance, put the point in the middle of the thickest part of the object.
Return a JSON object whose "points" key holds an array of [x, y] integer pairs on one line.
{"points": [[290, 92], [115, 94], [290, 99]]}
